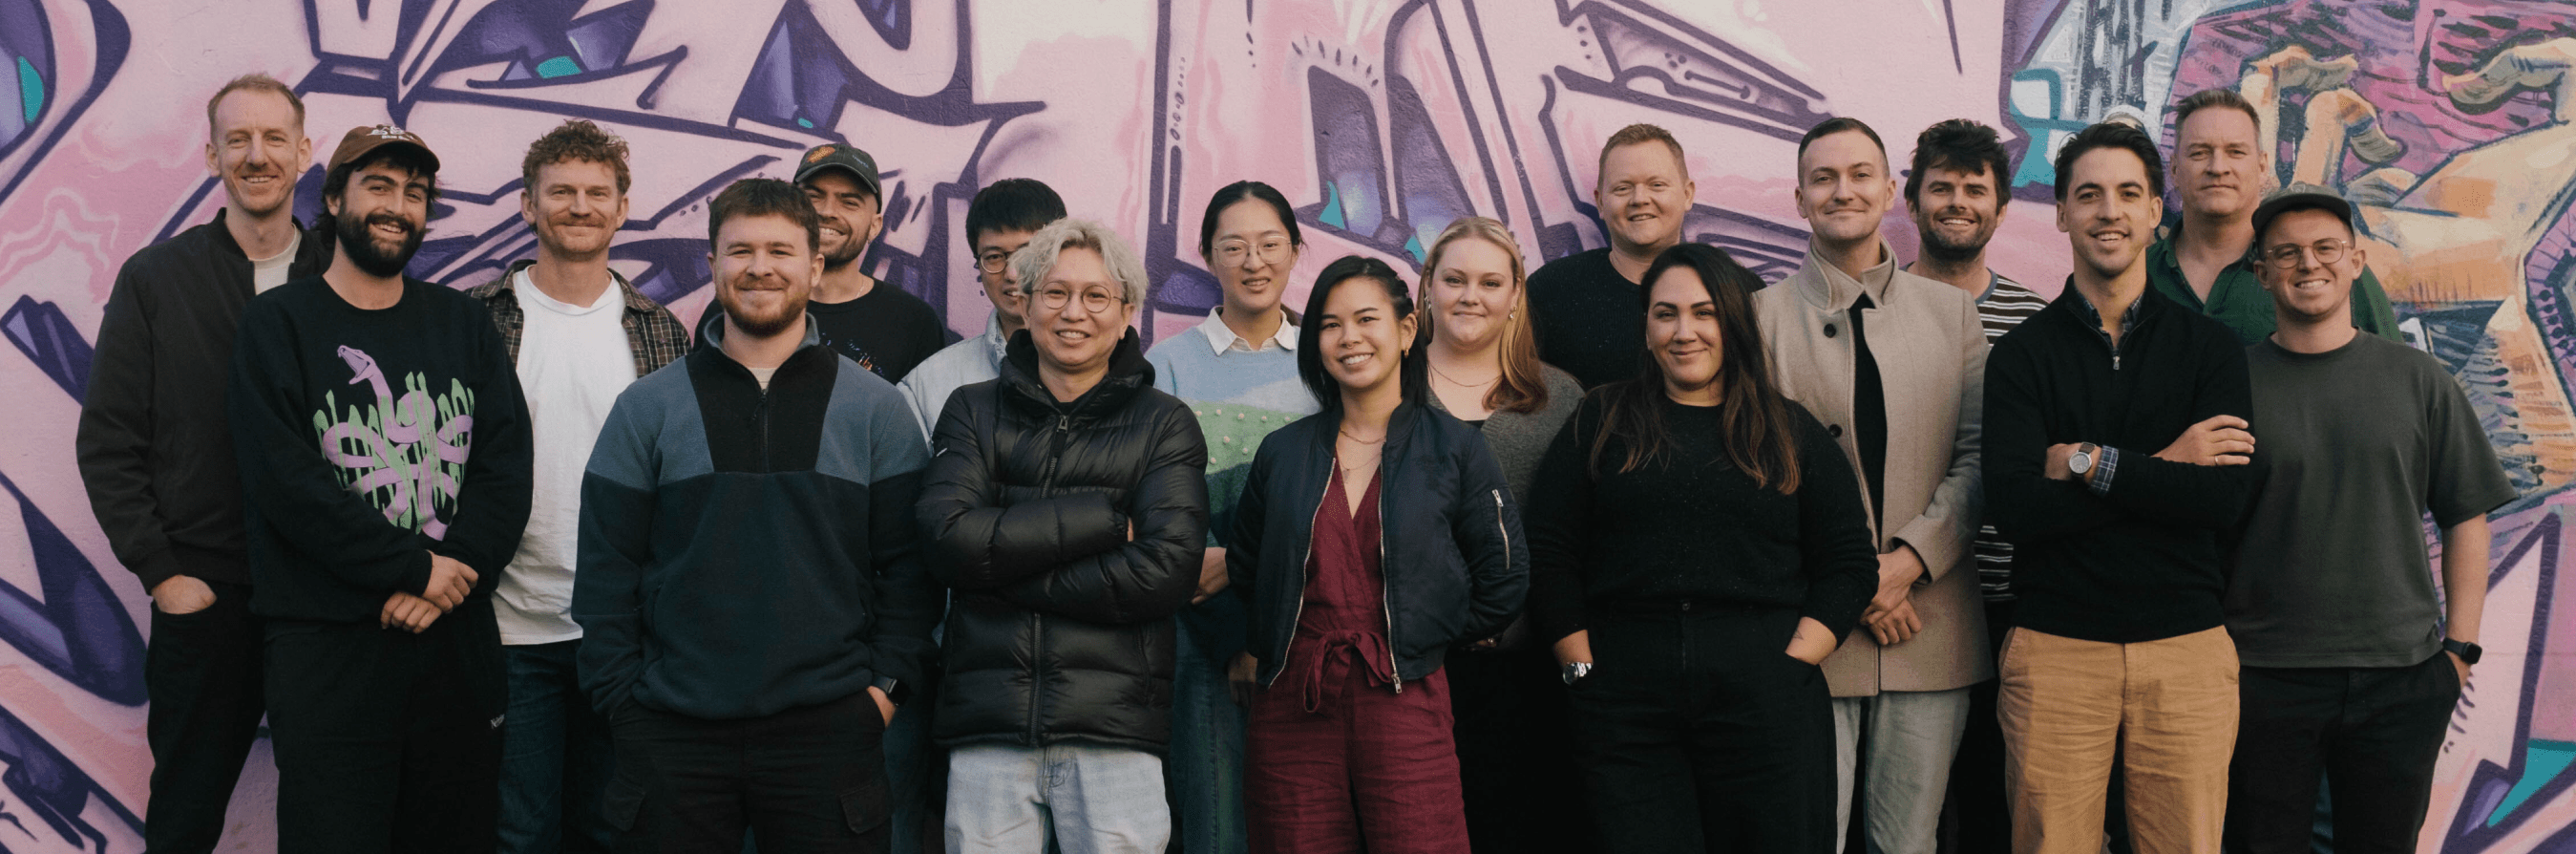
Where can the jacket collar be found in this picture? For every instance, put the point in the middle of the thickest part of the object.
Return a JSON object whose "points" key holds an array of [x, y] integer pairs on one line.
{"points": [[715, 333], [1128, 374], [306, 242], [1827, 287]]}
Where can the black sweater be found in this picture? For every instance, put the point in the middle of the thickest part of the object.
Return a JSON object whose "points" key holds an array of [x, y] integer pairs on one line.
{"points": [[1587, 318], [1691, 526], [370, 438], [153, 448], [2141, 561]]}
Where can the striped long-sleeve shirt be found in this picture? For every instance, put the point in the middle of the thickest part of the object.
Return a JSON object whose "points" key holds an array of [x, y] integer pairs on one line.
{"points": [[2004, 305]]}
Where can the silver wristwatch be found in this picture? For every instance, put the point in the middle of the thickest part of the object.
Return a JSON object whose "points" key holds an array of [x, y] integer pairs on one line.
{"points": [[1575, 672], [2081, 462]]}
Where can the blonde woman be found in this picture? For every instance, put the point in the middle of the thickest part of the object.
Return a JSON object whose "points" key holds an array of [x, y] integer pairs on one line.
{"points": [[1514, 751]]}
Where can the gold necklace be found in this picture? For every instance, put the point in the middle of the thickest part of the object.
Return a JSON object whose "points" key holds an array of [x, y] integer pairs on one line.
{"points": [[1346, 434], [1435, 368]]}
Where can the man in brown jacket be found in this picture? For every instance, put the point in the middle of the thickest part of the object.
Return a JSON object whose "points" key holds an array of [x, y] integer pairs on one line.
{"points": [[1894, 365]]}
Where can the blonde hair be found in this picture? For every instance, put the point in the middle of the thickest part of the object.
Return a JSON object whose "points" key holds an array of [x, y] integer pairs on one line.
{"points": [[1524, 384]]}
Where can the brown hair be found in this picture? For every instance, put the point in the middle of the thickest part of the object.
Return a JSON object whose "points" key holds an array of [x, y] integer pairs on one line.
{"points": [[575, 140], [1524, 385], [1756, 423], [1636, 134], [256, 81]]}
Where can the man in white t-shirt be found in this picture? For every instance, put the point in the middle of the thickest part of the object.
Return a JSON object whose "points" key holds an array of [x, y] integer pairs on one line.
{"points": [[578, 333]]}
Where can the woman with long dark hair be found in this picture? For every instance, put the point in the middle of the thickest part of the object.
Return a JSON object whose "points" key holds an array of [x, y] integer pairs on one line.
{"points": [[1699, 548], [1369, 539], [1514, 751]]}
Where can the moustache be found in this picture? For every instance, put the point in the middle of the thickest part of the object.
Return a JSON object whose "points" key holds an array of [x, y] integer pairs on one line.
{"points": [[385, 219]]}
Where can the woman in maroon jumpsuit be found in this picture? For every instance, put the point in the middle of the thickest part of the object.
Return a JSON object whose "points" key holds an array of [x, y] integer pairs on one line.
{"points": [[1370, 539]]}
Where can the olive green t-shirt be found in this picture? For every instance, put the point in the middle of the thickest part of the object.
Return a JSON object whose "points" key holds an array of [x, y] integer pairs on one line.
{"points": [[2357, 444]]}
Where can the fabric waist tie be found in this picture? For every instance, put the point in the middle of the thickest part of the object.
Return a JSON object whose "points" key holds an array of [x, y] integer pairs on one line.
{"points": [[1326, 665]]}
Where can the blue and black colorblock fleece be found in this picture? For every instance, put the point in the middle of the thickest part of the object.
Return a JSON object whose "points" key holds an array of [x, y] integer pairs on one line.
{"points": [[747, 551]]}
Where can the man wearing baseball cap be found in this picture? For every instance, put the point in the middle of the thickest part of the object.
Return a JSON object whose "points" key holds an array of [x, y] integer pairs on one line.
{"points": [[884, 329], [2351, 661], [385, 454]]}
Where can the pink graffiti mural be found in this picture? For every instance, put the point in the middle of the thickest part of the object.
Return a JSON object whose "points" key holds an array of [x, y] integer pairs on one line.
{"points": [[1381, 119]]}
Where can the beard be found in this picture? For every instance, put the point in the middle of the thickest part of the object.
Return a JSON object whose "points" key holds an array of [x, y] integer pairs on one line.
{"points": [[364, 251], [758, 325], [849, 249], [1941, 249]]}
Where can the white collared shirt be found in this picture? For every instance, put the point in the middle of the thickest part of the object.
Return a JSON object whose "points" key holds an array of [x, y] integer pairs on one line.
{"points": [[1221, 337]]}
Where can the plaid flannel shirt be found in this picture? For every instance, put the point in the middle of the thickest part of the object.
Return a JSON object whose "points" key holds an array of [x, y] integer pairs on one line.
{"points": [[653, 335]]}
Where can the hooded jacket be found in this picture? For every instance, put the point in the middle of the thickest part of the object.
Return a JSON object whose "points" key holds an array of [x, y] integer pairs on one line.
{"points": [[1060, 629], [1456, 564]]}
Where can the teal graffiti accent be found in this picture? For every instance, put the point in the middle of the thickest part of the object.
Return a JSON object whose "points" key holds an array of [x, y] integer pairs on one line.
{"points": [[2542, 762], [31, 90], [1413, 247], [1332, 212], [807, 124], [561, 66]]}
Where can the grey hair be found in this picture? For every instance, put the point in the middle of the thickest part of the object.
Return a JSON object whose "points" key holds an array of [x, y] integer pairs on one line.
{"points": [[1031, 264]]}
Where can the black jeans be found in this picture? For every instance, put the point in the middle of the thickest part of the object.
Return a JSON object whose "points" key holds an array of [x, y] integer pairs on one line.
{"points": [[1516, 753], [202, 674], [1698, 733], [2374, 732], [809, 779], [387, 741]]}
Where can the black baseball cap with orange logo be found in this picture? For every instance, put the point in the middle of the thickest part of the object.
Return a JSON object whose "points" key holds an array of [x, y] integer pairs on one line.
{"points": [[833, 155]]}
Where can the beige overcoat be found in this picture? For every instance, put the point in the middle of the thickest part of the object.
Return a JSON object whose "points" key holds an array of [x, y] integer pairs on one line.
{"points": [[1931, 354]]}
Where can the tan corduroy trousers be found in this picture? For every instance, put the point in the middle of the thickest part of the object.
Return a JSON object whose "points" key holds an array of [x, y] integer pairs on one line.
{"points": [[2168, 706]]}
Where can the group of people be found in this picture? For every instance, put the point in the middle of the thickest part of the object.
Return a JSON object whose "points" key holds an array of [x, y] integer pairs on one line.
{"points": [[1878, 548]]}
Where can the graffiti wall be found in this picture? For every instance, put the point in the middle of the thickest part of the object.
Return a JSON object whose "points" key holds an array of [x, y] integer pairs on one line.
{"points": [[2447, 120]]}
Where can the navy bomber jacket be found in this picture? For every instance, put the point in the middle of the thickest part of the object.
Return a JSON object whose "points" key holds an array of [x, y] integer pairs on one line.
{"points": [[1456, 563], [745, 550]]}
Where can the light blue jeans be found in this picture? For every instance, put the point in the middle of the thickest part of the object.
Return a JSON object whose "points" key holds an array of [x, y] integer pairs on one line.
{"points": [[1090, 799]]}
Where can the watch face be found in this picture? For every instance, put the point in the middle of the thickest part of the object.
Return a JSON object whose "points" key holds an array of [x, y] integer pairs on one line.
{"points": [[2079, 463]]}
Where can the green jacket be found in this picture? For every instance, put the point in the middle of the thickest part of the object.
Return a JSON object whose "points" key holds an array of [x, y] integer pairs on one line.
{"points": [[2239, 301]]}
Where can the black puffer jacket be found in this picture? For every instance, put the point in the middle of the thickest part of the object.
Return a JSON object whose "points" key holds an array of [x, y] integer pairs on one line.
{"points": [[1061, 627], [1455, 562]]}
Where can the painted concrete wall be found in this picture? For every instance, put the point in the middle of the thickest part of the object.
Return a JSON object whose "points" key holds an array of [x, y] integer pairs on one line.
{"points": [[1381, 119]]}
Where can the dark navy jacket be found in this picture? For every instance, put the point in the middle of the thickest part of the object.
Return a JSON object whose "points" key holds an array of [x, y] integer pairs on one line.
{"points": [[1455, 562], [748, 551]]}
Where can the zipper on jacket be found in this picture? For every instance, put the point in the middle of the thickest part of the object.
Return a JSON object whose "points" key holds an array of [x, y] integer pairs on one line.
{"points": [[760, 427], [1385, 582], [1037, 620], [1303, 578]]}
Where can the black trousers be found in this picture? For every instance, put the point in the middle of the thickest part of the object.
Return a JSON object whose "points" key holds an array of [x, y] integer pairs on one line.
{"points": [[387, 741], [1516, 752], [2374, 732], [202, 674], [1698, 733], [808, 780]]}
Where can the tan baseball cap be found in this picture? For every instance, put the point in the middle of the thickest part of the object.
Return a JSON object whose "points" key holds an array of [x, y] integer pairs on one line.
{"points": [[365, 138]]}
